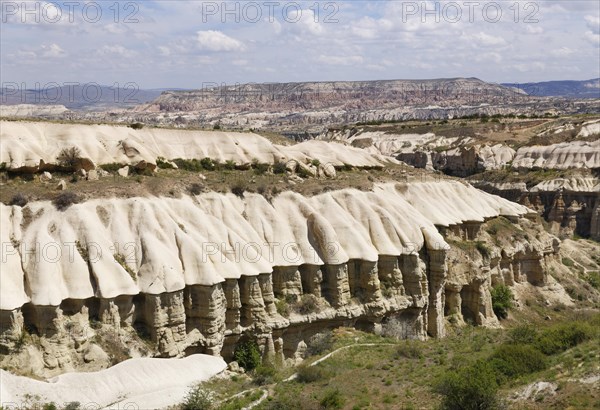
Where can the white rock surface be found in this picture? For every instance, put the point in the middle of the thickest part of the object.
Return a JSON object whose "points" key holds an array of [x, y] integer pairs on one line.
{"points": [[26, 143], [123, 171], [588, 184], [589, 128], [137, 383], [30, 110], [575, 154], [170, 243]]}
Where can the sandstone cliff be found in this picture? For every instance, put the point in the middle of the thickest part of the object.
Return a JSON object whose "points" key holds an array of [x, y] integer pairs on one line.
{"points": [[197, 274]]}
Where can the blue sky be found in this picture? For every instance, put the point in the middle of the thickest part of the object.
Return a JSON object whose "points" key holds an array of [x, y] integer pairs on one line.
{"points": [[161, 44]]}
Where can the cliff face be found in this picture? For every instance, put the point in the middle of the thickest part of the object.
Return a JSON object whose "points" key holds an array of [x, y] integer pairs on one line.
{"points": [[201, 273], [570, 205]]}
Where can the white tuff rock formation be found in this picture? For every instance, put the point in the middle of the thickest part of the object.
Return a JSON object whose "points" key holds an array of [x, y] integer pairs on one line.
{"points": [[201, 272]]}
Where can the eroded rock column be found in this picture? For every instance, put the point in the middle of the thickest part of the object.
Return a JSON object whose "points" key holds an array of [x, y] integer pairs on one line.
{"points": [[336, 288], [287, 282], [234, 304], [437, 277], [312, 278], [390, 276], [253, 305], [205, 308]]}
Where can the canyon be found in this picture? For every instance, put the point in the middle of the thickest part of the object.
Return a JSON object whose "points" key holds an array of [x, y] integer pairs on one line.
{"points": [[170, 277]]}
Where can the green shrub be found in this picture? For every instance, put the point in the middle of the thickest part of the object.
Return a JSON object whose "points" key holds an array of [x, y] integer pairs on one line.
{"points": [[332, 399], [283, 403], [516, 360], [229, 165], [198, 399], [315, 162], [162, 163], [307, 304], [136, 126], [264, 374], [283, 308], [73, 405], [409, 350], [472, 387], [523, 334], [208, 164], [303, 173], [192, 165], [259, 167], [502, 300], [49, 406], [320, 343], [563, 336], [483, 249], [310, 374], [593, 278], [112, 167], [247, 355], [239, 189], [568, 262], [279, 168]]}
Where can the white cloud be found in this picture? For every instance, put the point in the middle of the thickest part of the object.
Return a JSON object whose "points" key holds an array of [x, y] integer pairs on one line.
{"points": [[534, 67], [593, 23], [341, 60], [53, 51], [592, 38], [212, 40], [495, 57], [369, 28], [116, 50], [531, 29], [562, 52], [488, 40]]}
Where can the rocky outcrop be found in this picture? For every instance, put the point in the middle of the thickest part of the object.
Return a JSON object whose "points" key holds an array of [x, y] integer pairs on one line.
{"points": [[461, 161], [568, 204], [574, 154], [595, 223], [200, 274], [33, 147]]}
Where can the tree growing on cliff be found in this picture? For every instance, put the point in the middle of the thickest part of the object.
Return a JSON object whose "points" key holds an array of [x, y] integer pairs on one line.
{"points": [[502, 300], [247, 355]]}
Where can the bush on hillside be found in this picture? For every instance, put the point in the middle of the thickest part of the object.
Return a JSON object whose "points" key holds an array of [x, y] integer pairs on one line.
{"points": [[472, 387], [68, 157], [516, 360], [198, 399], [561, 337], [247, 355], [65, 200], [502, 300], [18, 200]]}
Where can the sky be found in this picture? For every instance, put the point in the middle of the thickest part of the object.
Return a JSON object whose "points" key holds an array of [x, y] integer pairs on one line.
{"points": [[193, 44]]}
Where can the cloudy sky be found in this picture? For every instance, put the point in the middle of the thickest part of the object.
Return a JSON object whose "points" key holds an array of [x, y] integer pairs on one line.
{"points": [[188, 44]]}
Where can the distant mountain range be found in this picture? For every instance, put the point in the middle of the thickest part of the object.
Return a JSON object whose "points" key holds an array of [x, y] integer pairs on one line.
{"points": [[567, 89], [344, 95], [354, 100]]}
